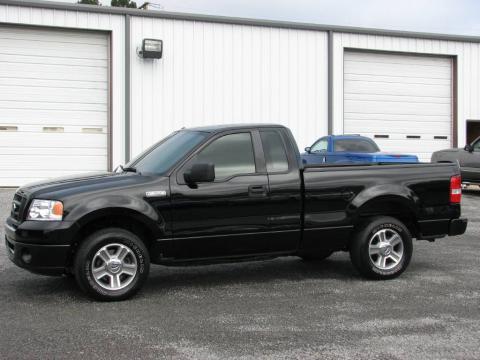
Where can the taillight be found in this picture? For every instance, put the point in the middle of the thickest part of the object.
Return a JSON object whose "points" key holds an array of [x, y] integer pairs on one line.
{"points": [[456, 189]]}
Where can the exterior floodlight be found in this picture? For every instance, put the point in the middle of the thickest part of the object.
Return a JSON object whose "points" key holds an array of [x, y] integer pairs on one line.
{"points": [[151, 49]]}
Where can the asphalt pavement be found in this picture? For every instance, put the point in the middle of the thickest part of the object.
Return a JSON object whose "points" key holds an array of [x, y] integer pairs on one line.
{"points": [[278, 309]]}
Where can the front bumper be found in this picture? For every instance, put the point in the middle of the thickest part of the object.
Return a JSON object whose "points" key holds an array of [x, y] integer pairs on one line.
{"points": [[40, 256]]}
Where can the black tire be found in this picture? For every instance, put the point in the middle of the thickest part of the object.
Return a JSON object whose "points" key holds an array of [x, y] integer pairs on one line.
{"points": [[137, 257], [371, 265], [318, 256]]}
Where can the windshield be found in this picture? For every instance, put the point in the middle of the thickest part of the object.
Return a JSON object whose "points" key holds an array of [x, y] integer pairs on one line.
{"points": [[356, 145], [162, 156]]}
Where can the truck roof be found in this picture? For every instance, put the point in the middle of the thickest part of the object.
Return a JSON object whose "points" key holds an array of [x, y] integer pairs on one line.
{"points": [[226, 127], [347, 136]]}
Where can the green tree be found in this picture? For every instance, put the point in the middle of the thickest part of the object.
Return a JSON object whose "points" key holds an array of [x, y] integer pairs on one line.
{"points": [[124, 3], [88, 2]]}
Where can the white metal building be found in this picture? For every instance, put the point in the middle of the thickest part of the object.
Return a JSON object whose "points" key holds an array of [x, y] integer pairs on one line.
{"points": [[76, 97]]}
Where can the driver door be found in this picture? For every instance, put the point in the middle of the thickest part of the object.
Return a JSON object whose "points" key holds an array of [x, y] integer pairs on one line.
{"points": [[225, 217]]}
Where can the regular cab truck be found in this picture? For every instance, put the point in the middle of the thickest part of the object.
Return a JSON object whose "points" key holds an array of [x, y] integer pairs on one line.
{"points": [[228, 193]]}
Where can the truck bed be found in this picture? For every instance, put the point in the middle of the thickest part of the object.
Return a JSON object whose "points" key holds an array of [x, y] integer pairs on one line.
{"points": [[338, 196]]}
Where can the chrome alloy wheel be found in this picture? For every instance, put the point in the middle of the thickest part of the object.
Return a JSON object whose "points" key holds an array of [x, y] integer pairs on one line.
{"points": [[114, 266], [386, 249]]}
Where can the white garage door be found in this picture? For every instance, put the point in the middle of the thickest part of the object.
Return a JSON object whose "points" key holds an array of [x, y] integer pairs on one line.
{"points": [[403, 102], [53, 103]]}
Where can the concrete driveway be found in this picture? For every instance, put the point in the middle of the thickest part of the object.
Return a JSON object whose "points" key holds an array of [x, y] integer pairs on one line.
{"points": [[279, 309]]}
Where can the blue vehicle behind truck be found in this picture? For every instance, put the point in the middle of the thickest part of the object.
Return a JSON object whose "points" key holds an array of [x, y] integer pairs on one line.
{"points": [[350, 149]]}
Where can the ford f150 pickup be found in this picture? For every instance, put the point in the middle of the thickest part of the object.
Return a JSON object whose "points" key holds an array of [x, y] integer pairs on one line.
{"points": [[228, 193]]}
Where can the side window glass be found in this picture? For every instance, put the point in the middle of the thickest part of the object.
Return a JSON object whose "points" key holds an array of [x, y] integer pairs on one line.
{"points": [[274, 149], [476, 146], [320, 146], [230, 154]]}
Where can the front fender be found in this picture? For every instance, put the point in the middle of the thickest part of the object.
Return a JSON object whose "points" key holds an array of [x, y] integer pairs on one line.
{"points": [[118, 205]]}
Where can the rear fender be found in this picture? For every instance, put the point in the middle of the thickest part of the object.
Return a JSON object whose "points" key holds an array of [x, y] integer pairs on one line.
{"points": [[400, 197]]}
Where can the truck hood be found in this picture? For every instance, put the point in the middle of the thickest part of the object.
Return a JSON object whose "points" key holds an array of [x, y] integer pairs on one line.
{"points": [[454, 150], [73, 185]]}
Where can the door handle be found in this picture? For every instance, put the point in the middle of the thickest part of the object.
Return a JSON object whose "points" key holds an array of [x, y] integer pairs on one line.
{"points": [[257, 190]]}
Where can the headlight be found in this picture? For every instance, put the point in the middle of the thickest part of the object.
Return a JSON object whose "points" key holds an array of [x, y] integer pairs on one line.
{"points": [[45, 210]]}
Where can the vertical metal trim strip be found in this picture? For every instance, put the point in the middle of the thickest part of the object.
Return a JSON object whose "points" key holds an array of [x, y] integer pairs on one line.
{"points": [[127, 88], [330, 82], [454, 141]]}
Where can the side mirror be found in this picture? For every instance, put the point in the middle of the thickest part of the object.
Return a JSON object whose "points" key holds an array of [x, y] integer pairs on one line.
{"points": [[307, 149], [200, 173], [468, 148]]}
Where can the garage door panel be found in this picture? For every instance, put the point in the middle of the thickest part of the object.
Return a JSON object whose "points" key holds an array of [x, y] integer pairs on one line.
{"points": [[52, 162], [406, 59], [55, 129], [54, 49], [53, 104], [47, 36], [396, 98], [28, 149], [25, 93], [392, 78], [407, 99], [55, 72], [51, 83], [64, 61], [63, 104], [397, 117], [356, 87], [406, 70], [51, 118], [58, 140], [390, 107], [397, 127]]}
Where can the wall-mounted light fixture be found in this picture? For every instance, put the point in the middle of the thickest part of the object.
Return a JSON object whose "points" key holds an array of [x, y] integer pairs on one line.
{"points": [[151, 49]]}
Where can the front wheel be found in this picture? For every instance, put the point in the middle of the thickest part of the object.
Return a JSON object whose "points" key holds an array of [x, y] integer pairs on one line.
{"points": [[111, 264], [382, 248]]}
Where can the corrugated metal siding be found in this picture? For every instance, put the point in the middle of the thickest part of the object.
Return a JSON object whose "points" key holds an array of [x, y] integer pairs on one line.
{"points": [[223, 73], [468, 62], [88, 21]]}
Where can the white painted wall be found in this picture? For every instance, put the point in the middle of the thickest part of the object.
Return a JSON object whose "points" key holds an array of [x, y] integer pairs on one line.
{"points": [[468, 62], [217, 73], [92, 21]]}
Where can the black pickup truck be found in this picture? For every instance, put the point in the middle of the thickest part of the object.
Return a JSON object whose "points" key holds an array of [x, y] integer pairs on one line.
{"points": [[228, 193]]}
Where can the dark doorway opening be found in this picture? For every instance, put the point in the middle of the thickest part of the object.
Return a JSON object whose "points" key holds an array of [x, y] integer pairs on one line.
{"points": [[473, 130]]}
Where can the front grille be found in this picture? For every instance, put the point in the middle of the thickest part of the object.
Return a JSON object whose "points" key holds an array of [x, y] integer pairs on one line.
{"points": [[18, 205]]}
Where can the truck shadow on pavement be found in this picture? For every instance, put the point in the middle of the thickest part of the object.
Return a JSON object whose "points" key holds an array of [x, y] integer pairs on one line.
{"points": [[164, 279]]}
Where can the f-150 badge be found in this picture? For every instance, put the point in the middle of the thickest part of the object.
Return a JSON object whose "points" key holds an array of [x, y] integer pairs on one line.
{"points": [[159, 193]]}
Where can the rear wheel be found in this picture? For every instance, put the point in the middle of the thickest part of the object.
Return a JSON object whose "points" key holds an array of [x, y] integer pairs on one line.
{"points": [[382, 248], [111, 264]]}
